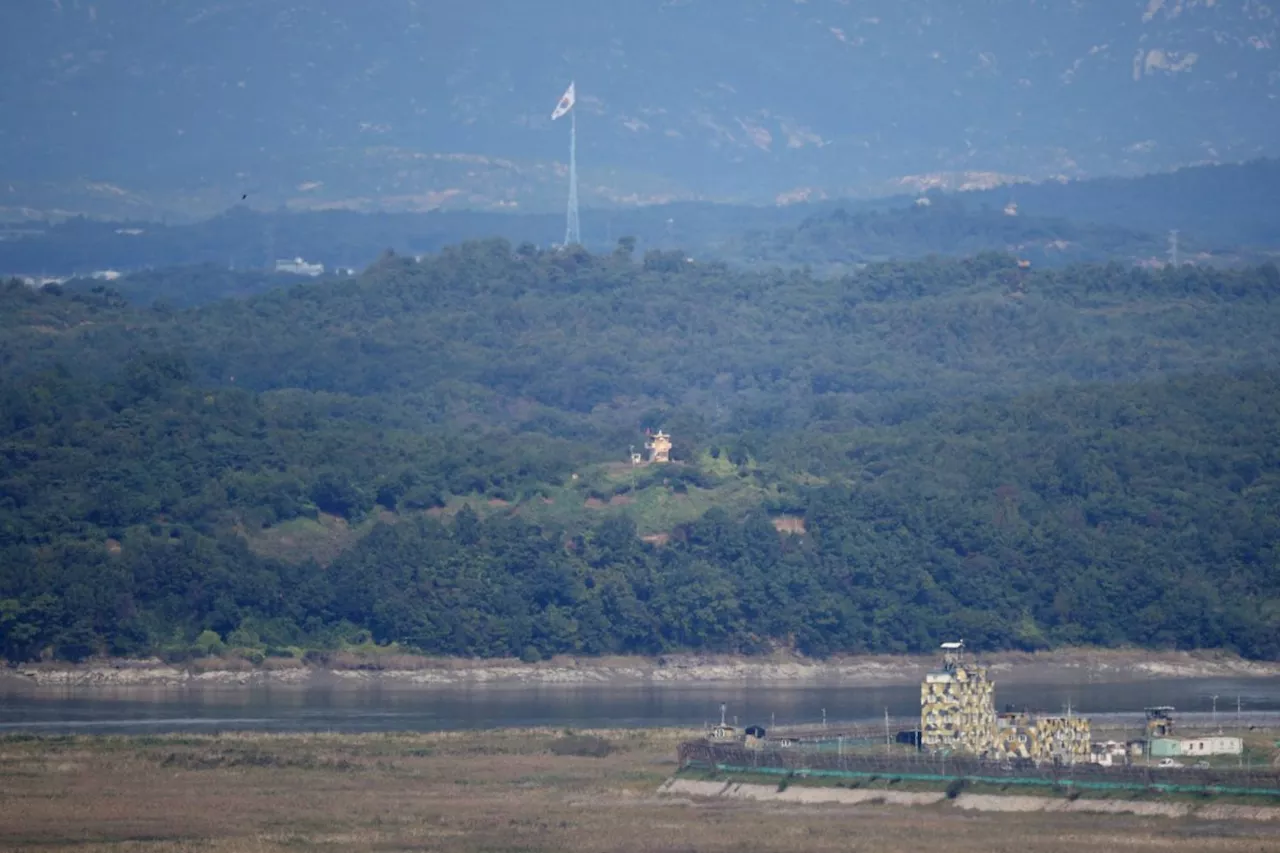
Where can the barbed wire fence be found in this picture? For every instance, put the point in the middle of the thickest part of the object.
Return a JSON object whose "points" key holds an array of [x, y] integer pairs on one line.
{"points": [[800, 761]]}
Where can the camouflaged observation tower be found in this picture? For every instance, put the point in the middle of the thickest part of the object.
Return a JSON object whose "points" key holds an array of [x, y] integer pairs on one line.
{"points": [[958, 714], [957, 705]]}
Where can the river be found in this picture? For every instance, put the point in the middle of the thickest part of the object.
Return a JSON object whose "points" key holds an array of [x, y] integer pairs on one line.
{"points": [[374, 708]]}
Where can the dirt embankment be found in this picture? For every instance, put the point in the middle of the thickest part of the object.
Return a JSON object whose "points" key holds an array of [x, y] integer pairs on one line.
{"points": [[964, 801], [1080, 665]]}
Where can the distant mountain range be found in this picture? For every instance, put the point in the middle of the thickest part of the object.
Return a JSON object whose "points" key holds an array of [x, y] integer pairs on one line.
{"points": [[181, 107], [1225, 215]]}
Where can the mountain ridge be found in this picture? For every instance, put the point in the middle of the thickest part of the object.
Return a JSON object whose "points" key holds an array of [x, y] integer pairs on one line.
{"points": [[178, 105]]}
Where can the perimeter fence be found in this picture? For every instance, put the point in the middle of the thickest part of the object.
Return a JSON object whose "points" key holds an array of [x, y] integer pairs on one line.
{"points": [[925, 767]]}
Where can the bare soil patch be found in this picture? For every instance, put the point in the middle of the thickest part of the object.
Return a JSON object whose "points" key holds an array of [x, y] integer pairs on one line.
{"points": [[322, 540], [789, 524]]}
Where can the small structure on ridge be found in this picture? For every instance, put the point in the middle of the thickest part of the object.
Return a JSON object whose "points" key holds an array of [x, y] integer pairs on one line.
{"points": [[659, 446]]}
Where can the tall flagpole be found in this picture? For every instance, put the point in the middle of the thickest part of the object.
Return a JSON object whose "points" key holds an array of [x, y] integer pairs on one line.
{"points": [[572, 236]]}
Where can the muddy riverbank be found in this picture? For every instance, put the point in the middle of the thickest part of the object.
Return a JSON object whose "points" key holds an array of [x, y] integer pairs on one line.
{"points": [[1077, 665]]}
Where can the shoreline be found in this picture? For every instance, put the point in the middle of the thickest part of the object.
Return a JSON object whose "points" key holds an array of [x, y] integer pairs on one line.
{"points": [[1084, 665]]}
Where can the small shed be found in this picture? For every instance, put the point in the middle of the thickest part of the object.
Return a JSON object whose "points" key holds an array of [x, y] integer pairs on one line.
{"points": [[1212, 745], [911, 737], [1165, 747]]}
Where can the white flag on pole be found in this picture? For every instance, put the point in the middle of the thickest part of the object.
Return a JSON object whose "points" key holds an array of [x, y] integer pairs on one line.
{"points": [[566, 103]]}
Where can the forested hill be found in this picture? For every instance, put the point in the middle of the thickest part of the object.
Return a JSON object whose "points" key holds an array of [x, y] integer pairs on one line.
{"points": [[423, 455], [597, 346], [1224, 204], [949, 224], [945, 225]]}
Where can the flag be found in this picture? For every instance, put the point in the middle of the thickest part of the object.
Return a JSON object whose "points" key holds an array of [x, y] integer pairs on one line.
{"points": [[566, 103]]}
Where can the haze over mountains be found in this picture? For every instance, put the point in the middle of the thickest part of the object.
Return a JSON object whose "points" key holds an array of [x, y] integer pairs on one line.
{"points": [[1226, 215], [148, 108]]}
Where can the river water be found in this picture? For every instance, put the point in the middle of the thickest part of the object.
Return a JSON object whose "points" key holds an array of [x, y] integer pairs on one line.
{"points": [[373, 708]]}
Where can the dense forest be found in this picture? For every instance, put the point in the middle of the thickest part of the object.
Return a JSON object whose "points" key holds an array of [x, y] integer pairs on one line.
{"points": [[943, 224], [188, 285], [429, 454], [1224, 204]]}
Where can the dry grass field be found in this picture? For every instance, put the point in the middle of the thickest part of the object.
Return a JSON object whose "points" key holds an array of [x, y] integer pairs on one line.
{"points": [[491, 791]]}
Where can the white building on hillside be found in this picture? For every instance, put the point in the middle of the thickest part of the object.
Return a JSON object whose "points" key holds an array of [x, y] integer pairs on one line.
{"points": [[298, 266]]}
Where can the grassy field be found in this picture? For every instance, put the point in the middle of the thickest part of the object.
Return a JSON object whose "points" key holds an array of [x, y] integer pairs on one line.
{"points": [[492, 791], [321, 539], [652, 496]]}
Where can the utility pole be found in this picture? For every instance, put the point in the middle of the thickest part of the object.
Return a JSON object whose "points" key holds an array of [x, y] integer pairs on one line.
{"points": [[1215, 714], [1173, 248], [824, 718], [1240, 730], [887, 747]]}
